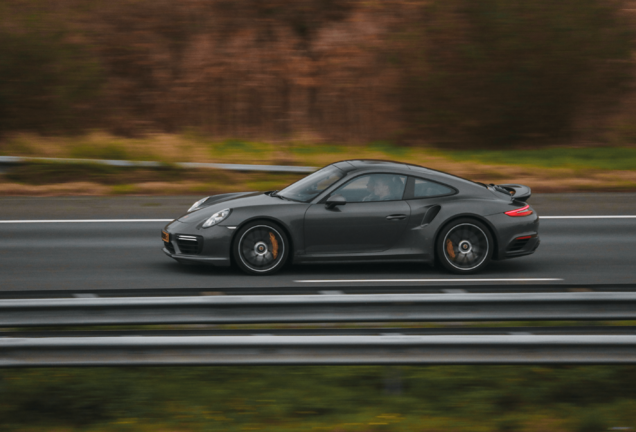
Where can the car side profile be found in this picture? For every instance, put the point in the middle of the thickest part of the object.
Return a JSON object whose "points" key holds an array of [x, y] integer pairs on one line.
{"points": [[359, 211]]}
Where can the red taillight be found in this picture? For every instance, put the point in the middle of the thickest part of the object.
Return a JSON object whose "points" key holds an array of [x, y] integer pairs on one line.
{"points": [[523, 238], [523, 211]]}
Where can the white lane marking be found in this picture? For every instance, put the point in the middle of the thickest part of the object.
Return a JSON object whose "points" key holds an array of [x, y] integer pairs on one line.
{"points": [[170, 220], [84, 221], [429, 280], [589, 217]]}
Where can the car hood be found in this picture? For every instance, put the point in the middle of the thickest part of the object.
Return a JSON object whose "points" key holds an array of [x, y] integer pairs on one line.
{"points": [[220, 198], [216, 203]]}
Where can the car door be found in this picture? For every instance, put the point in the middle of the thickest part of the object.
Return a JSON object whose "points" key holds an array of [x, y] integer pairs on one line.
{"points": [[426, 199], [372, 220]]}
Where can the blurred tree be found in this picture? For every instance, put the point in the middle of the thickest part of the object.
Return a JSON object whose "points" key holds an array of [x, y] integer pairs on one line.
{"points": [[46, 81], [486, 72], [499, 71]]}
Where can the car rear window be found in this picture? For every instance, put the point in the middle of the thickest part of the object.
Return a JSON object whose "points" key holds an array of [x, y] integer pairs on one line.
{"points": [[427, 189]]}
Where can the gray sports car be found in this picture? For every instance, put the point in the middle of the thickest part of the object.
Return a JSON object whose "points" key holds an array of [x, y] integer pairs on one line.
{"points": [[355, 211]]}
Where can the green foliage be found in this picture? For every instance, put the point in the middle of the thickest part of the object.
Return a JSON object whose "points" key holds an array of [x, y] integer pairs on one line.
{"points": [[17, 145], [41, 173], [609, 158], [123, 189], [507, 424], [496, 71], [55, 172], [591, 421], [308, 150], [245, 150], [388, 148], [45, 80], [110, 152], [236, 146], [365, 398]]}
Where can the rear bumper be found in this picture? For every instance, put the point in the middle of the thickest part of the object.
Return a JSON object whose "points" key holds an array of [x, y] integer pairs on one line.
{"points": [[528, 247], [509, 230]]}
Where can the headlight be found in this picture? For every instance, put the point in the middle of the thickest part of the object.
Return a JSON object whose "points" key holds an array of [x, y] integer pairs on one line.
{"points": [[197, 204], [217, 217]]}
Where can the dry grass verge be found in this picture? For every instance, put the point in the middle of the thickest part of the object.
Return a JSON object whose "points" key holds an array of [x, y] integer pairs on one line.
{"points": [[551, 170]]}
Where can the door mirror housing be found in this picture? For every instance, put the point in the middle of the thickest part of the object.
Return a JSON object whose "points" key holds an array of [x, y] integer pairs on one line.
{"points": [[334, 201]]}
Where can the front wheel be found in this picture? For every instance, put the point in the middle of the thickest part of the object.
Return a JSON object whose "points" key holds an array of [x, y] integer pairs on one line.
{"points": [[260, 248], [464, 246]]}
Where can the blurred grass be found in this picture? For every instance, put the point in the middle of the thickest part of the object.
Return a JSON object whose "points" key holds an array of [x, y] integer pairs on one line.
{"points": [[61, 172], [111, 151], [331, 398], [194, 148], [549, 169], [42, 173], [605, 158]]}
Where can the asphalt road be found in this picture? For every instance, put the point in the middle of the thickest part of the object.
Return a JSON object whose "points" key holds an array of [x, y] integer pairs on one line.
{"points": [[125, 255]]}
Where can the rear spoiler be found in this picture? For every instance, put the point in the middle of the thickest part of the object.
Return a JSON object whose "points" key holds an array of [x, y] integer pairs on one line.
{"points": [[516, 191]]}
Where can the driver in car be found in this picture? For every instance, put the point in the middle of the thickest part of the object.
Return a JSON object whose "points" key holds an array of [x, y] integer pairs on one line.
{"points": [[379, 188]]}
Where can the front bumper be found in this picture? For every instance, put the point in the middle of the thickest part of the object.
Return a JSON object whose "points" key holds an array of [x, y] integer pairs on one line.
{"points": [[216, 261], [214, 243]]}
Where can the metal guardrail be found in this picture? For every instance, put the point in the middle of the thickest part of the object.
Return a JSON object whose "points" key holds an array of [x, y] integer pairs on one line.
{"points": [[323, 330], [301, 289], [317, 350], [16, 160], [319, 308]]}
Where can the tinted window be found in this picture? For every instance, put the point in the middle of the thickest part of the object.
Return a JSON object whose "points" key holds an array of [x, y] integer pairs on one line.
{"points": [[426, 189], [308, 188], [373, 187]]}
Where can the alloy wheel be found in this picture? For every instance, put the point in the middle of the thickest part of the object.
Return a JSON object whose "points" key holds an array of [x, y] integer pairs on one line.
{"points": [[261, 248], [466, 246]]}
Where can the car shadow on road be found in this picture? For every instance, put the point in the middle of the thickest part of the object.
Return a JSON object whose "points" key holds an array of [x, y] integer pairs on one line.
{"points": [[362, 270]]}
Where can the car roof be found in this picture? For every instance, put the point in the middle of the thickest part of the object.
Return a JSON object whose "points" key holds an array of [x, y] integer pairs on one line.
{"points": [[364, 164], [372, 164], [406, 168]]}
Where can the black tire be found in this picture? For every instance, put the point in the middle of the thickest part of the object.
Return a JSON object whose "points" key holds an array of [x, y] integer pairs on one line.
{"points": [[260, 248], [464, 246]]}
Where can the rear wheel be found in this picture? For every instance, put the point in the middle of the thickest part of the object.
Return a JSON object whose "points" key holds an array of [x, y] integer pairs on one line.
{"points": [[260, 248], [464, 246]]}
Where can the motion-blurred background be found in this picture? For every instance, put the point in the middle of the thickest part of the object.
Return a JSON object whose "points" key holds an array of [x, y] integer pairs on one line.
{"points": [[539, 92], [519, 90]]}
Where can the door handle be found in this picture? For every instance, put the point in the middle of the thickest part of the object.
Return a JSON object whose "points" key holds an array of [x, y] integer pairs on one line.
{"points": [[396, 217]]}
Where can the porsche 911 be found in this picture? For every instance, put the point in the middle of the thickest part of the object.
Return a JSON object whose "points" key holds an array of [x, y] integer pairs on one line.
{"points": [[359, 211]]}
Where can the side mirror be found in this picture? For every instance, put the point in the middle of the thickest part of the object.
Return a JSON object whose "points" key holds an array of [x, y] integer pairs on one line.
{"points": [[333, 201]]}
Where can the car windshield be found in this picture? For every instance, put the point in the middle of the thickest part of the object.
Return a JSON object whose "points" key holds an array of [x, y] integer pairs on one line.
{"points": [[311, 186]]}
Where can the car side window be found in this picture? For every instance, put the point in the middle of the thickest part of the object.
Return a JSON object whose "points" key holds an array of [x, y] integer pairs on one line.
{"points": [[427, 189], [373, 188]]}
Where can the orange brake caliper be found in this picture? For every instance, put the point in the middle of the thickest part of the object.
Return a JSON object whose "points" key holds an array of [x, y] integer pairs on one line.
{"points": [[272, 238], [449, 248]]}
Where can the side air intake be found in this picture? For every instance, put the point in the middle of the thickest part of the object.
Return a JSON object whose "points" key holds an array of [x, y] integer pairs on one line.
{"points": [[430, 214]]}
